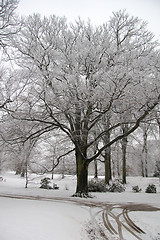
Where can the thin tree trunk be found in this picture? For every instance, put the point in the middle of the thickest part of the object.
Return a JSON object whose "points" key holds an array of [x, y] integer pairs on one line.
{"points": [[52, 174], [95, 169], [118, 164], [107, 165], [145, 152], [107, 156], [124, 150], [26, 173], [53, 169], [142, 167]]}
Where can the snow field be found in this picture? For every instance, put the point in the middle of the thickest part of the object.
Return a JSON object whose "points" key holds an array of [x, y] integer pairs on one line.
{"points": [[62, 220], [30, 220]]}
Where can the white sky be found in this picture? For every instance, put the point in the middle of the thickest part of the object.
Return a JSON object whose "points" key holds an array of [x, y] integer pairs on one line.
{"points": [[98, 11]]}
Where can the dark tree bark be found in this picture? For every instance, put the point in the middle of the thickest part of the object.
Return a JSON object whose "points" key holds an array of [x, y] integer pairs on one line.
{"points": [[95, 160], [142, 167], [107, 154], [107, 158], [52, 173], [80, 136], [95, 169], [82, 174], [124, 151]]}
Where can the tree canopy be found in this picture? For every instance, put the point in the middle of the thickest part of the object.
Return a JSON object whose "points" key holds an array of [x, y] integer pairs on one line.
{"points": [[71, 76]]}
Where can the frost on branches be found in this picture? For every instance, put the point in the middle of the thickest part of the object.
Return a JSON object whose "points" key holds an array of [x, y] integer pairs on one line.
{"points": [[74, 77]]}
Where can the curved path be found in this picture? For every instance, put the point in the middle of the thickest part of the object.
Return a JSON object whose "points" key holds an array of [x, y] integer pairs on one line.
{"points": [[115, 217]]}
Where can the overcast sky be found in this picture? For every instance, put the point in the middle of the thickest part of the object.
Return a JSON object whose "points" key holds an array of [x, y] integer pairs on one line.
{"points": [[98, 11]]}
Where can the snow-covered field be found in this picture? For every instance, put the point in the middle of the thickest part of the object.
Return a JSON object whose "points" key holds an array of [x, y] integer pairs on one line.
{"points": [[67, 218]]}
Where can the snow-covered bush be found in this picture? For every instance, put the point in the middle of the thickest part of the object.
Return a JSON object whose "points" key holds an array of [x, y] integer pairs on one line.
{"points": [[96, 186], [55, 186], [101, 186], [116, 186], [151, 189], [45, 183], [136, 189]]}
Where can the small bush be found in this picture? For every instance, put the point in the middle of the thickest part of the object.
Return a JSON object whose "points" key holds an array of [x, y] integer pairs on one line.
{"points": [[151, 189], [55, 186], [45, 183], [101, 186], [96, 186], [116, 186], [156, 174], [136, 189]]}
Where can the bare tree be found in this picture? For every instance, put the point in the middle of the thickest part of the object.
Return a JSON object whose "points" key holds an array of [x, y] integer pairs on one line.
{"points": [[79, 73]]}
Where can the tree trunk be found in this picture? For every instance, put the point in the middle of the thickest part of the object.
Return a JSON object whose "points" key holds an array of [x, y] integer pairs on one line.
{"points": [[142, 167], [52, 174], [82, 175], [124, 150], [26, 185], [95, 169], [107, 156], [145, 152], [107, 165]]}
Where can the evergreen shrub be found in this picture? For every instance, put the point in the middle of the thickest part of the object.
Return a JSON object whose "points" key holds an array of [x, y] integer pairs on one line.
{"points": [[45, 183], [100, 186], [116, 186], [151, 189], [96, 185]]}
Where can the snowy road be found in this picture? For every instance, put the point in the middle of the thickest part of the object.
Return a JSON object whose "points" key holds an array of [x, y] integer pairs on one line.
{"points": [[30, 220], [62, 218]]}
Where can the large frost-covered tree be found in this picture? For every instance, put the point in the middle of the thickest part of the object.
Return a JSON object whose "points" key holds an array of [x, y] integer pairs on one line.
{"points": [[78, 74]]}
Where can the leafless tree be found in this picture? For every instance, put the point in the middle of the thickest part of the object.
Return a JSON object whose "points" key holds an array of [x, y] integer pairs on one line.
{"points": [[78, 74]]}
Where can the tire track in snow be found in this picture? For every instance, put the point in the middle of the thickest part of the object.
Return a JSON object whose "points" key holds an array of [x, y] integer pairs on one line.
{"points": [[115, 217]]}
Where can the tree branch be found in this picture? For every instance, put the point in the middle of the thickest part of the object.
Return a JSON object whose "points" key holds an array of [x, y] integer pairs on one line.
{"points": [[132, 129]]}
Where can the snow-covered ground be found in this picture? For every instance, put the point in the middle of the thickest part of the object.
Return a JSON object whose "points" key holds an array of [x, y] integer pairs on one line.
{"points": [[64, 219], [31, 220]]}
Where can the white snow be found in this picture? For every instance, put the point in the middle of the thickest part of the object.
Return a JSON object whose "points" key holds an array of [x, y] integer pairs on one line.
{"points": [[30, 220], [65, 220]]}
